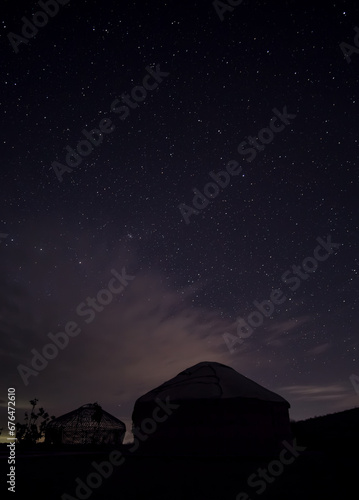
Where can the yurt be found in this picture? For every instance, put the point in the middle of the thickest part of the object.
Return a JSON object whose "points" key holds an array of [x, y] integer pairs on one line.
{"points": [[219, 411], [89, 424]]}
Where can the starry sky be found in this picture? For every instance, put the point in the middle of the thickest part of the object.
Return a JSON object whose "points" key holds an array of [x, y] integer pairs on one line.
{"points": [[194, 266]]}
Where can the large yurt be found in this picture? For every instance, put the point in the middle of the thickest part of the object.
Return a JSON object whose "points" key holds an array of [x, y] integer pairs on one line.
{"points": [[219, 411], [89, 424]]}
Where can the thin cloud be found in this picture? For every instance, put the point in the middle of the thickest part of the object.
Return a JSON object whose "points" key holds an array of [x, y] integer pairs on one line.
{"points": [[318, 349], [282, 331], [317, 392]]}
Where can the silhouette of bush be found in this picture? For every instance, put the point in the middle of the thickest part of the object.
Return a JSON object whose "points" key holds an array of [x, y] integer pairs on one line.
{"points": [[33, 429]]}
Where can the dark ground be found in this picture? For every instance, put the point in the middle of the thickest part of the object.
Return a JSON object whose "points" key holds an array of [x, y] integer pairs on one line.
{"points": [[319, 475], [327, 469]]}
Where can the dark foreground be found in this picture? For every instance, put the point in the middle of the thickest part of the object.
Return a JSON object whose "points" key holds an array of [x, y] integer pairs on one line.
{"points": [[45, 474]]}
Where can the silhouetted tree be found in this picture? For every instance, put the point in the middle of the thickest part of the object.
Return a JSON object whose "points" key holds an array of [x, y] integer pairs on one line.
{"points": [[33, 430]]}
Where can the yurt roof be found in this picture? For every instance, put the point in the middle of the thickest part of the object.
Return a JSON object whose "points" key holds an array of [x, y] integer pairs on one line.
{"points": [[86, 415], [210, 380]]}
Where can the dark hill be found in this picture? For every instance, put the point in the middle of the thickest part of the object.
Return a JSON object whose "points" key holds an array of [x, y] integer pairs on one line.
{"points": [[329, 432]]}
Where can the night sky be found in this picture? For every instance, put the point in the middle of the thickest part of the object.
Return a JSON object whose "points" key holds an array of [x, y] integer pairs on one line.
{"points": [[193, 266]]}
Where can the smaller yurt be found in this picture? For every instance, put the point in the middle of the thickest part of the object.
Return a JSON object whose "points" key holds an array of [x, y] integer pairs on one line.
{"points": [[89, 424]]}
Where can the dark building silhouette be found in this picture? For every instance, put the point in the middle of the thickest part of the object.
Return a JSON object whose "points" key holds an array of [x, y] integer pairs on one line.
{"points": [[220, 412], [89, 424]]}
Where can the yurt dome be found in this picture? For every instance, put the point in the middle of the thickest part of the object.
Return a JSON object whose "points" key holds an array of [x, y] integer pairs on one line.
{"points": [[220, 411], [89, 424]]}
